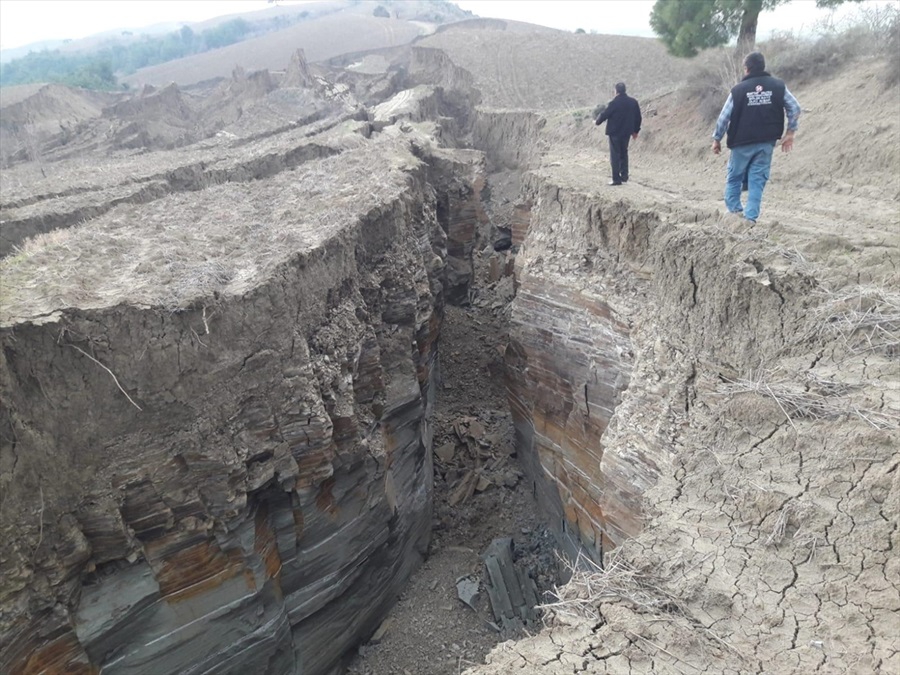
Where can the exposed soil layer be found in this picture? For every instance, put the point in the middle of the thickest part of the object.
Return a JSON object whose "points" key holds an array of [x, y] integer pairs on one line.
{"points": [[706, 408], [430, 630]]}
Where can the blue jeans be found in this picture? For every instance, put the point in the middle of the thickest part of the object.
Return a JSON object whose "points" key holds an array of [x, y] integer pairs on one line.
{"points": [[753, 162]]}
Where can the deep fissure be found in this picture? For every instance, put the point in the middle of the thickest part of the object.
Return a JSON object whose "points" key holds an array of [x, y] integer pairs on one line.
{"points": [[478, 337]]}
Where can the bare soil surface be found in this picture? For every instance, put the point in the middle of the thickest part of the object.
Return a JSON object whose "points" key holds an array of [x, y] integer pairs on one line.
{"points": [[520, 67], [771, 536]]}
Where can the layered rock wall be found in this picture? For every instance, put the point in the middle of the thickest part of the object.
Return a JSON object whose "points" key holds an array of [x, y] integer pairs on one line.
{"points": [[511, 138], [594, 427], [742, 457], [241, 486]]}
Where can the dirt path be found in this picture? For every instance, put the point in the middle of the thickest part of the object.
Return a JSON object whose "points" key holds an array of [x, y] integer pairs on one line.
{"points": [[430, 630]]}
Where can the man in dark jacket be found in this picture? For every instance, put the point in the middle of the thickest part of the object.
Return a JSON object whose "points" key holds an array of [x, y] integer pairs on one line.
{"points": [[623, 121], [754, 117]]}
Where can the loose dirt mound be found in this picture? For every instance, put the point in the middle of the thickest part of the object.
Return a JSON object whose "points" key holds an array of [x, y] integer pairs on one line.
{"points": [[155, 119], [33, 112], [247, 105]]}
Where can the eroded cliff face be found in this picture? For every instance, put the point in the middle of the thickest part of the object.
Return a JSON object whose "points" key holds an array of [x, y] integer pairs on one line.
{"points": [[678, 395], [242, 485], [596, 414]]}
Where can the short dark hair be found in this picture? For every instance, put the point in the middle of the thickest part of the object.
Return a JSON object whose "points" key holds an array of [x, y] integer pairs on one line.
{"points": [[755, 62], [620, 87]]}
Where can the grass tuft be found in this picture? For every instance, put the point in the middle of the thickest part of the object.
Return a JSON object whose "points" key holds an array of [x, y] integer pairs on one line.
{"points": [[867, 318], [188, 246], [590, 585], [807, 396]]}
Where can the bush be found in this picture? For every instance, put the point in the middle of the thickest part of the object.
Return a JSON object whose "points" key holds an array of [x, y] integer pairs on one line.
{"points": [[226, 33], [800, 61], [873, 32], [381, 12], [890, 76], [709, 87]]}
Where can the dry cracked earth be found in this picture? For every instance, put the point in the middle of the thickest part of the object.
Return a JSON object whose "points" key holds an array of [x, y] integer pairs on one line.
{"points": [[730, 450]]}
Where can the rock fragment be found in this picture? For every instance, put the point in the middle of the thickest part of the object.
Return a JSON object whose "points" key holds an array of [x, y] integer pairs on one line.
{"points": [[511, 590], [467, 589]]}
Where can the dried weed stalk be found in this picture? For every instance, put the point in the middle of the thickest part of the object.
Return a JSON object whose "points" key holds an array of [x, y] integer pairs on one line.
{"points": [[780, 525], [867, 318], [797, 259], [807, 396], [591, 584]]}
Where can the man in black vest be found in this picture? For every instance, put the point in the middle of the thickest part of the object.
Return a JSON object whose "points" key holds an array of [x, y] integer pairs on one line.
{"points": [[624, 122], [754, 117]]}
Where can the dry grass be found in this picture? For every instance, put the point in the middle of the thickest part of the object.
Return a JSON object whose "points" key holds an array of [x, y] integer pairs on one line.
{"points": [[797, 60], [175, 250], [807, 396], [866, 318], [590, 585], [871, 32], [797, 260], [709, 86]]}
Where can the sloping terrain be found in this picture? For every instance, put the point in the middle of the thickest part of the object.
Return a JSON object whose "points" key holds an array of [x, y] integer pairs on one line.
{"points": [[320, 39], [705, 411], [32, 112], [521, 66], [352, 28]]}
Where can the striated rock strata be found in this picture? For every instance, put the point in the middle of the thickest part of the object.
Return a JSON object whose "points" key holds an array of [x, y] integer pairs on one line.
{"points": [[242, 484], [659, 368], [588, 270]]}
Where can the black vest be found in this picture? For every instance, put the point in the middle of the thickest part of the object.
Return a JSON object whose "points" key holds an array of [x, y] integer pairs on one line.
{"points": [[758, 113]]}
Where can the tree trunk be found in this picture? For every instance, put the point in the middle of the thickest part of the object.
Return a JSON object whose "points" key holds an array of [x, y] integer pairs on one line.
{"points": [[746, 41]]}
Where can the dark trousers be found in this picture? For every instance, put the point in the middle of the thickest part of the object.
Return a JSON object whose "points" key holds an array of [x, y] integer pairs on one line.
{"points": [[618, 157]]}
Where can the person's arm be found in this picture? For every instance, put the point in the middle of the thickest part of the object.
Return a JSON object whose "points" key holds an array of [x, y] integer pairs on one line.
{"points": [[722, 124], [793, 110], [638, 120], [606, 113]]}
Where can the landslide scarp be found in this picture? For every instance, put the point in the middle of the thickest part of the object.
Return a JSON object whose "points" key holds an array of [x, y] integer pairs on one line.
{"points": [[706, 397], [218, 400]]}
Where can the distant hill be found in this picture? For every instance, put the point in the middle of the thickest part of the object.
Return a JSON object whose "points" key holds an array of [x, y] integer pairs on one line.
{"points": [[7, 55], [320, 39], [112, 57], [518, 65]]}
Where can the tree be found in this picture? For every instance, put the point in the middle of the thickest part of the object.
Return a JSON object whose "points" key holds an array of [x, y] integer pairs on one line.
{"points": [[687, 26], [381, 12]]}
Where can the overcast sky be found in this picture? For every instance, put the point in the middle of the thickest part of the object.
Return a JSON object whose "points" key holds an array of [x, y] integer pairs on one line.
{"points": [[23, 22]]}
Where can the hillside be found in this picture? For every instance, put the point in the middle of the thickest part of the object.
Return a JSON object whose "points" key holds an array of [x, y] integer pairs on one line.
{"points": [[326, 369], [101, 60], [519, 66], [321, 39]]}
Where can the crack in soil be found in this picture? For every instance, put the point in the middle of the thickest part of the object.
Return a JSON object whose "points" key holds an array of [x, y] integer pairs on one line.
{"points": [[430, 630]]}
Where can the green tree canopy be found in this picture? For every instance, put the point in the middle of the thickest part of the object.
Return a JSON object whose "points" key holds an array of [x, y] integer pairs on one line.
{"points": [[687, 26]]}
